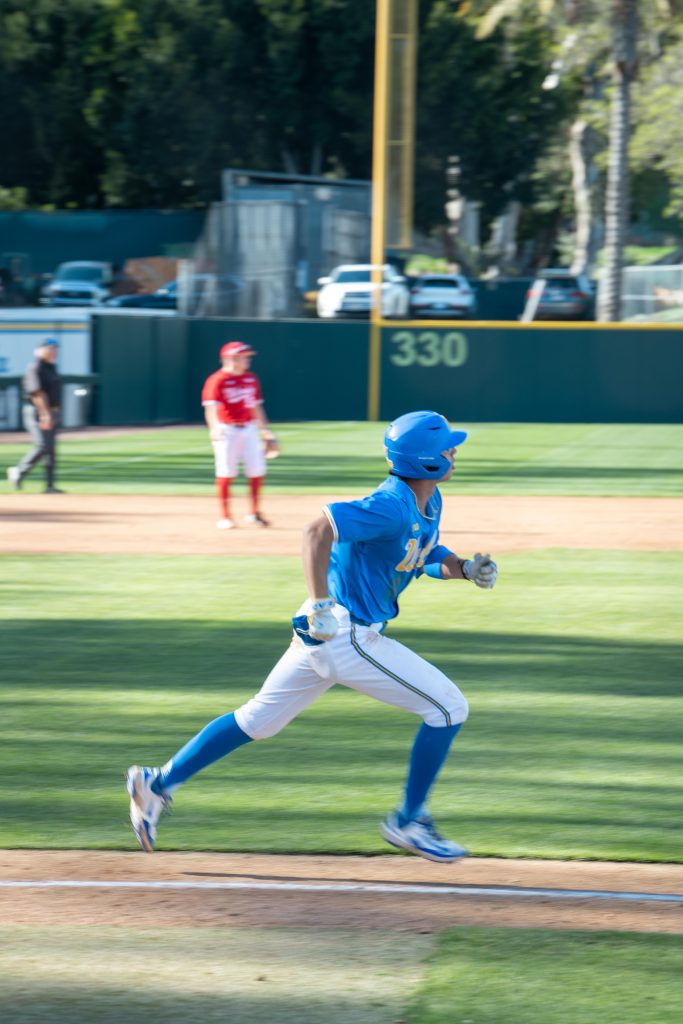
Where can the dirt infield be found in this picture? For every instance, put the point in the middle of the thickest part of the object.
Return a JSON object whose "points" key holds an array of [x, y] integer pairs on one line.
{"points": [[270, 906], [74, 523]]}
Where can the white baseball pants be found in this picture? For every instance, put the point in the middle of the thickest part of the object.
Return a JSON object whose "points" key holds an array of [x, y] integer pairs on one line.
{"points": [[239, 446], [358, 657]]}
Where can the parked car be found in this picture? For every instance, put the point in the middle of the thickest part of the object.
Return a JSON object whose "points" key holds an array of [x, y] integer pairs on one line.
{"points": [[189, 293], [79, 283], [347, 292], [160, 299], [562, 296], [442, 295], [206, 294]]}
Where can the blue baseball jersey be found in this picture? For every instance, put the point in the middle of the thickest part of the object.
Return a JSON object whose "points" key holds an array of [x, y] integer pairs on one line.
{"points": [[381, 543]]}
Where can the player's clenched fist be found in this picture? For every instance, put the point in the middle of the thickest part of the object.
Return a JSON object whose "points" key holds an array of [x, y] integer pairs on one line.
{"points": [[481, 570], [322, 623]]}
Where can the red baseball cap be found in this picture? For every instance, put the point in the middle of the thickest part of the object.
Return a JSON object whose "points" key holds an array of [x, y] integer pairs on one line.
{"points": [[236, 348]]}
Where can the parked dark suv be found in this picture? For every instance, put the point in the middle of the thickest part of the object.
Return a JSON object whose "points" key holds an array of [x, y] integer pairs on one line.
{"points": [[561, 296]]}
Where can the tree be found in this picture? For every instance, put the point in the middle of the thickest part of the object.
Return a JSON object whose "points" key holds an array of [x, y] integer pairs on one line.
{"points": [[623, 19], [624, 13], [143, 102], [474, 99], [42, 94], [658, 107]]}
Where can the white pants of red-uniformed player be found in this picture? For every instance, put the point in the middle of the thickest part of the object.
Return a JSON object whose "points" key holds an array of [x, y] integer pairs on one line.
{"points": [[358, 657], [239, 446]]}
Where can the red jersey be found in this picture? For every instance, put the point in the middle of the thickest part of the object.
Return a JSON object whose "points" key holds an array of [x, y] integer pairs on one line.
{"points": [[236, 395]]}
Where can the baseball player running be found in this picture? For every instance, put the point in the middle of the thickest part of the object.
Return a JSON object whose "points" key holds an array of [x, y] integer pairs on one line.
{"points": [[234, 412], [358, 557]]}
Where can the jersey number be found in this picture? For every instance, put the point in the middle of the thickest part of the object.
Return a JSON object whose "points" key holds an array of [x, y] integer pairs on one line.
{"points": [[415, 555]]}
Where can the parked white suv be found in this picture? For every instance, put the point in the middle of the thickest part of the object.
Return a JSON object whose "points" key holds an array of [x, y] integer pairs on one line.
{"points": [[348, 292], [79, 283]]}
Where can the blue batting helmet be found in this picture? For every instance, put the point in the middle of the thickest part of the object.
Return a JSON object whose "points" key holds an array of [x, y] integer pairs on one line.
{"points": [[413, 445]]}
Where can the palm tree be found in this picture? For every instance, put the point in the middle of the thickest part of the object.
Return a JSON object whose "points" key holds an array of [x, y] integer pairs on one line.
{"points": [[625, 32]]}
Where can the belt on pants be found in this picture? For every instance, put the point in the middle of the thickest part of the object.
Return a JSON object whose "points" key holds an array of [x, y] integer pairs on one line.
{"points": [[361, 622], [238, 425]]}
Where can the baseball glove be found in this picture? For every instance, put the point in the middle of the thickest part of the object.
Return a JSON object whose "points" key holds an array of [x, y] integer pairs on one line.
{"points": [[272, 446]]}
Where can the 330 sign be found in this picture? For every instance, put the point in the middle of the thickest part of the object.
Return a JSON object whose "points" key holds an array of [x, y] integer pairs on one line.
{"points": [[428, 348]]}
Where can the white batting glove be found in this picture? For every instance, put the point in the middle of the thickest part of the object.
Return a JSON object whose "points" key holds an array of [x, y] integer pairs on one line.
{"points": [[322, 624], [480, 570]]}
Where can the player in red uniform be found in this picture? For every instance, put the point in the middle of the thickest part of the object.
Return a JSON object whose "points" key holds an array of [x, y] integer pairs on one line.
{"points": [[236, 418]]}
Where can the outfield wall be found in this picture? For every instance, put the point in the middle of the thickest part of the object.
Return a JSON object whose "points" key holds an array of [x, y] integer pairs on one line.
{"points": [[151, 370]]}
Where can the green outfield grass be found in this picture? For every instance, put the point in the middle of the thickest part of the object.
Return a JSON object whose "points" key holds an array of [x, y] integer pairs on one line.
{"points": [[500, 976], [308, 975], [572, 668], [182, 975], [502, 458]]}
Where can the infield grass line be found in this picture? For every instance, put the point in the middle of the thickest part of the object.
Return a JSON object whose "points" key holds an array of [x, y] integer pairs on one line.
{"points": [[513, 892], [129, 460]]}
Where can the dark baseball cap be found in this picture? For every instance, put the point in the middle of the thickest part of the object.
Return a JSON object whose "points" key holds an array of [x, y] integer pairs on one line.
{"points": [[236, 348]]}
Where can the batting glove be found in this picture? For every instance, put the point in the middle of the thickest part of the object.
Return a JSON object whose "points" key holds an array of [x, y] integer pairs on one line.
{"points": [[322, 624], [480, 570]]}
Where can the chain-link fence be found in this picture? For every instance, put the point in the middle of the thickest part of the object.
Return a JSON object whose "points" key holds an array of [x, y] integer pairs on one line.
{"points": [[264, 247], [653, 293]]}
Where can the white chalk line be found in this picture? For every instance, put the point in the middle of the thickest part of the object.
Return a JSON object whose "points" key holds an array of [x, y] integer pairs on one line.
{"points": [[126, 460], [394, 890]]}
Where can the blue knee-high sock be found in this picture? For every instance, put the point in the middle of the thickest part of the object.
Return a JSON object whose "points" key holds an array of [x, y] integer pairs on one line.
{"points": [[217, 739], [429, 752]]}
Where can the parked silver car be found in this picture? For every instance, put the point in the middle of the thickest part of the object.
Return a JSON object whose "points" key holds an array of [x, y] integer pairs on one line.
{"points": [[79, 283], [561, 296], [441, 296]]}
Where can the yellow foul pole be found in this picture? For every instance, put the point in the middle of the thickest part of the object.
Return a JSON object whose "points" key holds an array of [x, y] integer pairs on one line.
{"points": [[379, 205], [392, 158]]}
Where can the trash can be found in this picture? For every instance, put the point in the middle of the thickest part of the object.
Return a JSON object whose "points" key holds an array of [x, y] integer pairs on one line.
{"points": [[10, 403], [76, 402]]}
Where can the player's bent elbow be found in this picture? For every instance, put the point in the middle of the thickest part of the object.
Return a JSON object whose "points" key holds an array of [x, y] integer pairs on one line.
{"points": [[318, 537], [319, 529]]}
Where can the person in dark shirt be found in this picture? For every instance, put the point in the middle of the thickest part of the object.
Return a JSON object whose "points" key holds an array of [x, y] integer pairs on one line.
{"points": [[42, 391]]}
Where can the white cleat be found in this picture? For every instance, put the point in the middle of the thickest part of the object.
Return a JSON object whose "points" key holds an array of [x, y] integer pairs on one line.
{"points": [[421, 837], [225, 524], [146, 806], [14, 477]]}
